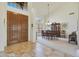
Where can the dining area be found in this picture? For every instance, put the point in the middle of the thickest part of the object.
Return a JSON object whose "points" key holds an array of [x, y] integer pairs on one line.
{"points": [[54, 32], [57, 33]]}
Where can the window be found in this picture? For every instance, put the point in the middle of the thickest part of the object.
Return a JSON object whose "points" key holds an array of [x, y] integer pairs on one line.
{"points": [[18, 5], [12, 5]]}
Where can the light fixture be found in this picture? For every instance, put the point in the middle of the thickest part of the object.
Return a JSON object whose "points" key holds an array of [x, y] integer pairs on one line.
{"points": [[71, 13], [48, 15], [48, 10]]}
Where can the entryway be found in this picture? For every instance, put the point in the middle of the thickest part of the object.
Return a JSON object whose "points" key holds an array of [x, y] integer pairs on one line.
{"points": [[17, 28]]}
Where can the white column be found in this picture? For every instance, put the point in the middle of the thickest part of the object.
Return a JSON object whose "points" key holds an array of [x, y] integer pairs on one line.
{"points": [[3, 26]]}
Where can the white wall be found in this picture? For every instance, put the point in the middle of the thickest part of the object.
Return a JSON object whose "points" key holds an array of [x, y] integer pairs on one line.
{"points": [[78, 26], [33, 29], [3, 30], [62, 15]]}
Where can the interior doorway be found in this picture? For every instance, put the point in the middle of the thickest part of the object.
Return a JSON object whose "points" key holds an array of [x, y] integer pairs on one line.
{"points": [[17, 28]]}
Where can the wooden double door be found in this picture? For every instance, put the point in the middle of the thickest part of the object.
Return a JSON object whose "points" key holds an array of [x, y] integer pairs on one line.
{"points": [[17, 28]]}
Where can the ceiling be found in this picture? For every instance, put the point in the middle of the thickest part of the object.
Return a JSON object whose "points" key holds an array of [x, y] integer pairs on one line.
{"points": [[42, 9]]}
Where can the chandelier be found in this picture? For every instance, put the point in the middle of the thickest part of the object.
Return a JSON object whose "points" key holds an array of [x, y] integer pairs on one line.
{"points": [[48, 15]]}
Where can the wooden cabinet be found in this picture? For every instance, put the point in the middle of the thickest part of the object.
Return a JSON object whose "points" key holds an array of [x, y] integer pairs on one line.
{"points": [[55, 28], [55, 31]]}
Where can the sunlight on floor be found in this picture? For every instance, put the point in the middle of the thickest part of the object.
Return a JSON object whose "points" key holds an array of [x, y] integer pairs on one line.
{"points": [[60, 45], [19, 48], [29, 49]]}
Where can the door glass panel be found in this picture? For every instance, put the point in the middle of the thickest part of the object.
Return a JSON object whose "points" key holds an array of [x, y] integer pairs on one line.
{"points": [[16, 28], [16, 31]]}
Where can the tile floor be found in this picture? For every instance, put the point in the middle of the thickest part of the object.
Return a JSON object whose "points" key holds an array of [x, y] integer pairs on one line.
{"points": [[42, 48], [60, 45], [32, 50]]}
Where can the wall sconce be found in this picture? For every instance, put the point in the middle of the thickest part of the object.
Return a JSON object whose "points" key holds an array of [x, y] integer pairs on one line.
{"points": [[71, 13]]}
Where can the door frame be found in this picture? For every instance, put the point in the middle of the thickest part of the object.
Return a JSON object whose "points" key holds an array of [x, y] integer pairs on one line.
{"points": [[7, 24]]}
